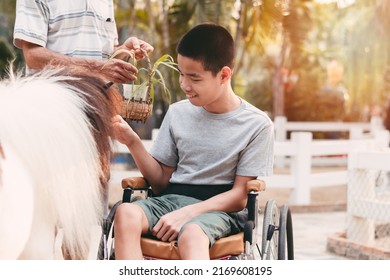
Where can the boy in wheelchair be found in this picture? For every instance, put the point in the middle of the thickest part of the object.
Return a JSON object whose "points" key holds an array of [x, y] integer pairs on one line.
{"points": [[208, 147]]}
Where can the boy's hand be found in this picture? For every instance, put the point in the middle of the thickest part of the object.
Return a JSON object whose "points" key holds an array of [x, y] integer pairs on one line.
{"points": [[122, 131], [169, 225]]}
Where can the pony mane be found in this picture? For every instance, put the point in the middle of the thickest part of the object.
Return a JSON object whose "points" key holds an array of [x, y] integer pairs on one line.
{"points": [[102, 104], [58, 123], [1, 171]]}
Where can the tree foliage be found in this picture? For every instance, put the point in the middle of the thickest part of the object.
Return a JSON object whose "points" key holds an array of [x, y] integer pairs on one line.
{"points": [[282, 53]]}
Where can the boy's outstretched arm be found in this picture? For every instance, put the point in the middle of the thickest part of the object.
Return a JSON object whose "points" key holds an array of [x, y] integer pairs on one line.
{"points": [[156, 173]]}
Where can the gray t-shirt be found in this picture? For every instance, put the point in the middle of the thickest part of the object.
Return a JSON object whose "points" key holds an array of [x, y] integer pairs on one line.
{"points": [[212, 149]]}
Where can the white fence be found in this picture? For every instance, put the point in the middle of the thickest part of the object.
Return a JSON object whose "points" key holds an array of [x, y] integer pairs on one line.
{"points": [[368, 207], [356, 130], [302, 149]]}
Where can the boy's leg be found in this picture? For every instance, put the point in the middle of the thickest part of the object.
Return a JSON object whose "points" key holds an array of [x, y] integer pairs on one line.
{"points": [[196, 237], [130, 223], [193, 243]]}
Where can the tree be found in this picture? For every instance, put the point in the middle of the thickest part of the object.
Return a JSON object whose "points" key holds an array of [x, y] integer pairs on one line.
{"points": [[382, 13], [8, 52]]}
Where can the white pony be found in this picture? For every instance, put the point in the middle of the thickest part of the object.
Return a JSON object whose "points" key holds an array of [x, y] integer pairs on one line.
{"points": [[54, 150]]}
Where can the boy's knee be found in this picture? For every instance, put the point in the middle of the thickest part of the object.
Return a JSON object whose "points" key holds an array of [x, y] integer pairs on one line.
{"points": [[128, 214], [193, 243], [192, 233]]}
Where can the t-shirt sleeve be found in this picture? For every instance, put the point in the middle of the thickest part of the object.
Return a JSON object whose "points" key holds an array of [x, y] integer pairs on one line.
{"points": [[258, 157], [164, 147], [31, 23]]}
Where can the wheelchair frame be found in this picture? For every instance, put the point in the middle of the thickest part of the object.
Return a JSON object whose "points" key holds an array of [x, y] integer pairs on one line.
{"points": [[276, 234]]}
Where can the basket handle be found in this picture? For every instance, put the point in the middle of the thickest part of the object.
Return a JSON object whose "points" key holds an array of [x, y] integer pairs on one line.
{"points": [[149, 84]]}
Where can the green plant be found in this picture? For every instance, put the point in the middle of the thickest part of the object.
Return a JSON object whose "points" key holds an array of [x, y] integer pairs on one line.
{"points": [[149, 75], [139, 95]]}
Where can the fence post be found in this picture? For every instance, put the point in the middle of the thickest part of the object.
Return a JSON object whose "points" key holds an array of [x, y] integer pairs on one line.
{"points": [[376, 124], [280, 123], [382, 139], [301, 167], [356, 133]]}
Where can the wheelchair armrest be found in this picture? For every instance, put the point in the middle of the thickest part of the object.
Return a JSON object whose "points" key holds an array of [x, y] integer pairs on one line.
{"points": [[253, 188], [131, 185], [256, 185], [135, 183]]}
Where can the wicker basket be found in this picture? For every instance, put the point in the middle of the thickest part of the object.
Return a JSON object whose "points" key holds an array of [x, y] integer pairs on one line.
{"points": [[137, 110], [138, 97], [139, 107]]}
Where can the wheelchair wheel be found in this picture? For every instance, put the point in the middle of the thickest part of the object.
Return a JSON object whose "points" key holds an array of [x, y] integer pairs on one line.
{"points": [[270, 240], [286, 244], [105, 247]]}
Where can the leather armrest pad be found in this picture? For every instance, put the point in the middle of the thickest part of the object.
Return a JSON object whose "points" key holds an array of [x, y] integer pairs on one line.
{"points": [[135, 183], [255, 186]]}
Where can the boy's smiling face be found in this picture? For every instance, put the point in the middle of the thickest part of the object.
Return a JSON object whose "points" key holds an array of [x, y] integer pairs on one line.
{"points": [[199, 85]]}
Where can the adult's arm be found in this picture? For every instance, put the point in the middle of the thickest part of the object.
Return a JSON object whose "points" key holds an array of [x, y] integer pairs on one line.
{"points": [[115, 70]]}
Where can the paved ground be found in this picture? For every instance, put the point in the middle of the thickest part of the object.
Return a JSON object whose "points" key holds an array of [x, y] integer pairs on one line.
{"points": [[311, 231]]}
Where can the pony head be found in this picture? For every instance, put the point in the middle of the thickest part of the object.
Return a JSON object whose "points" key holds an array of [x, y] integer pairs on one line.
{"points": [[57, 123]]}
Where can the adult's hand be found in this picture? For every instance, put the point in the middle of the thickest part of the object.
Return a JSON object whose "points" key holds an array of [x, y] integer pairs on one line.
{"points": [[117, 70], [139, 47]]}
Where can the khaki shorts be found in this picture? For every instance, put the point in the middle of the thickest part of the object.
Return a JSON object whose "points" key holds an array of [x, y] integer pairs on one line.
{"points": [[214, 224]]}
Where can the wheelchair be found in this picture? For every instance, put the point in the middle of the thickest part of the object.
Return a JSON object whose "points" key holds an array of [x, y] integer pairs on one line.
{"points": [[273, 242]]}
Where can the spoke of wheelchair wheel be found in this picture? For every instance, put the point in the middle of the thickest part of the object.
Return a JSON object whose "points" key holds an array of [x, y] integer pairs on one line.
{"points": [[258, 250], [274, 248], [272, 237], [274, 254]]}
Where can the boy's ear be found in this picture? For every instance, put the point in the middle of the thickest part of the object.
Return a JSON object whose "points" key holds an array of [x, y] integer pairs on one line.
{"points": [[226, 73]]}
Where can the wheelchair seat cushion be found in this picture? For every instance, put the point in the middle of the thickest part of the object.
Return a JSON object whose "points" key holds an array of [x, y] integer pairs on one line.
{"points": [[227, 246], [214, 224]]}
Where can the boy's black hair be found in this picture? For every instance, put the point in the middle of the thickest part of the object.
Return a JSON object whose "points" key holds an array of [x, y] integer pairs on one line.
{"points": [[209, 43]]}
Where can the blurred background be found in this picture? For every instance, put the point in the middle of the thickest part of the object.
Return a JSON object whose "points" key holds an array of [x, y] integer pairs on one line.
{"points": [[308, 60]]}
